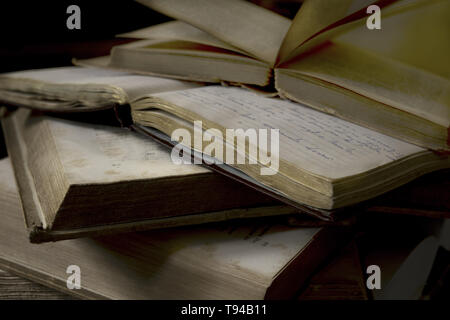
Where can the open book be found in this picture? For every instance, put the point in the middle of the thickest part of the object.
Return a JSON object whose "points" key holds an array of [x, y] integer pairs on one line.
{"points": [[318, 160], [394, 80], [80, 179], [323, 162], [219, 261]]}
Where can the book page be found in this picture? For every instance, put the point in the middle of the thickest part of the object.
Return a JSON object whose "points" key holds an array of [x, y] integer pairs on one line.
{"points": [[242, 24], [321, 20], [179, 30], [313, 16], [385, 80], [411, 37], [78, 80], [310, 140], [101, 154], [188, 263], [253, 250], [64, 74]]}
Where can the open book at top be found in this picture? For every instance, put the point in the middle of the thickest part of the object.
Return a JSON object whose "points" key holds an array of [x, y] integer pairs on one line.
{"points": [[395, 80], [249, 30]]}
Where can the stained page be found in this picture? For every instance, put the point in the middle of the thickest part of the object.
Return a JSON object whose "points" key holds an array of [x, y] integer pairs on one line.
{"points": [[102, 154]]}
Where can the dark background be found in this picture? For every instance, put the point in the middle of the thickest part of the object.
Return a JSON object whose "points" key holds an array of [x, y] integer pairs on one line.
{"points": [[34, 33]]}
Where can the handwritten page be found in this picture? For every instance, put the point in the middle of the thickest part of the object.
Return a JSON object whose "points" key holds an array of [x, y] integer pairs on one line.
{"points": [[309, 140]]}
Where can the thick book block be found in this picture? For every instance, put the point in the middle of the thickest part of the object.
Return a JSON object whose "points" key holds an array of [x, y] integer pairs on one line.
{"points": [[79, 179], [220, 261], [324, 165]]}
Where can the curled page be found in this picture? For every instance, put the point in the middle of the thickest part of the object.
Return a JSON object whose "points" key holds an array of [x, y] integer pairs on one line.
{"points": [[179, 30], [320, 20], [242, 24]]}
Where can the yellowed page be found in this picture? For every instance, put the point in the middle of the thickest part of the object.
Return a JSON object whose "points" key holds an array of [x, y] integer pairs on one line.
{"points": [[318, 143], [179, 30], [313, 16], [83, 78], [242, 24], [417, 37], [385, 80], [352, 19], [68, 87], [103, 154], [228, 261]]}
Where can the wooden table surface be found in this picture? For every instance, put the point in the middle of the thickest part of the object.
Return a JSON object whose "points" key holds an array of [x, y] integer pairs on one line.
{"points": [[16, 288]]}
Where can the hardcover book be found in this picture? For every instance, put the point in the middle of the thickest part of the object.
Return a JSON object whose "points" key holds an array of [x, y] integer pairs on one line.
{"points": [[324, 163], [219, 261], [77, 179]]}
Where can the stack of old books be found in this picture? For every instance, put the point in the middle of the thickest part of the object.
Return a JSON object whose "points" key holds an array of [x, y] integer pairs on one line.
{"points": [[231, 154]]}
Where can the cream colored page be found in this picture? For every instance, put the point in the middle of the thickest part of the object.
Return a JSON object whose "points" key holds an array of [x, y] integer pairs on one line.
{"points": [[102, 154], [396, 84], [258, 250], [138, 265], [242, 24], [132, 85], [313, 16], [416, 37], [136, 85], [179, 30], [310, 140], [64, 74], [355, 17]]}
